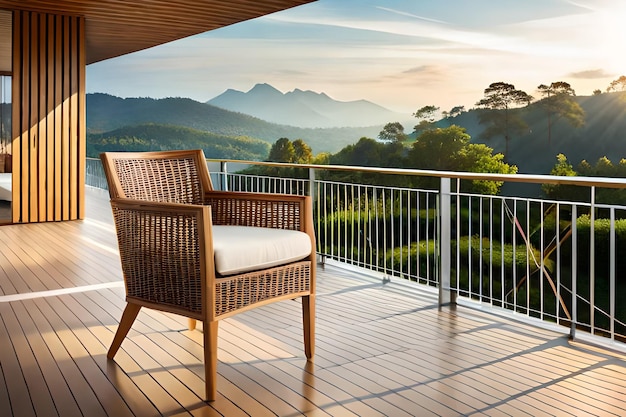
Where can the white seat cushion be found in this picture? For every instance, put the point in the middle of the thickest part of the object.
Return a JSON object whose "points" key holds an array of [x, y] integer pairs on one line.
{"points": [[241, 249]]}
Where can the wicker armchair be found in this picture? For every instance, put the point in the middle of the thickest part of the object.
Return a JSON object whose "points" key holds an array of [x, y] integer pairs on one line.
{"points": [[174, 233]]}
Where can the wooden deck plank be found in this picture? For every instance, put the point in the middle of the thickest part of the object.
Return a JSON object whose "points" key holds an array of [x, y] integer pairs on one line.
{"points": [[8, 285], [91, 261], [19, 402], [33, 323], [5, 404], [53, 274], [559, 404], [67, 263], [533, 406], [590, 395], [318, 391], [81, 371], [43, 403], [29, 281]]}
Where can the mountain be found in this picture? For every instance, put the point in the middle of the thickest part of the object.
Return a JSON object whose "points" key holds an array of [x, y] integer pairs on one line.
{"points": [[166, 137], [106, 112], [305, 108]]}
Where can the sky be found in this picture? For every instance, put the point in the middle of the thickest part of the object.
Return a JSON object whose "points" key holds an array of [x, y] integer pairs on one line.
{"points": [[400, 54]]}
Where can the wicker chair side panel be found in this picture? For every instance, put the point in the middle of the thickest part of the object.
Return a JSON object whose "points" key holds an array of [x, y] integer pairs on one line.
{"points": [[257, 212], [173, 180], [160, 254], [234, 293]]}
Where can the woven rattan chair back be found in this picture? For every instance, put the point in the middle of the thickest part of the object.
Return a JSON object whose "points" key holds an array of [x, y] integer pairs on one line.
{"points": [[173, 177]]}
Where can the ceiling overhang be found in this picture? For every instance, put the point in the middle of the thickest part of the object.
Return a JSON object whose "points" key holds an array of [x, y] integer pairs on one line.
{"points": [[114, 28]]}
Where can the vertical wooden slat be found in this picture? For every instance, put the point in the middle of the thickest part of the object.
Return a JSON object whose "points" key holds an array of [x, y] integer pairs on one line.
{"points": [[73, 148], [48, 117], [24, 111], [81, 121], [58, 114], [42, 137], [33, 169], [65, 140], [16, 99]]}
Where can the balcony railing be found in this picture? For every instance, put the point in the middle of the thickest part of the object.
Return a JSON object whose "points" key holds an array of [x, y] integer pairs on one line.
{"points": [[563, 262]]}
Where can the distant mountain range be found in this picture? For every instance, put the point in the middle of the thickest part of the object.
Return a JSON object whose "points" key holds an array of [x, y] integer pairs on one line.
{"points": [[106, 113], [604, 132], [305, 108]]}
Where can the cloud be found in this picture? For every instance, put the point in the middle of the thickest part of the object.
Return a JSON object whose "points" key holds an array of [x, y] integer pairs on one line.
{"points": [[410, 15], [590, 74], [423, 69], [424, 74]]}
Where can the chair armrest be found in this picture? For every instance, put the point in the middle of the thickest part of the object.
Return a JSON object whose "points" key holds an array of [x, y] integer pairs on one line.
{"points": [[166, 253], [282, 211]]}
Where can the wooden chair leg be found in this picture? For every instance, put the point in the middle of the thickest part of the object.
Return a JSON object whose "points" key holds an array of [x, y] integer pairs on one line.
{"points": [[128, 317], [210, 359], [308, 324], [191, 324]]}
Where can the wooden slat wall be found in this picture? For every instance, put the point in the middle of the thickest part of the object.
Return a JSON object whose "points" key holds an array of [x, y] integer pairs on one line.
{"points": [[48, 117]]}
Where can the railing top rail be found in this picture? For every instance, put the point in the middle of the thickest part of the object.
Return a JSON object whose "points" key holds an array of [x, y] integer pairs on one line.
{"points": [[603, 182]]}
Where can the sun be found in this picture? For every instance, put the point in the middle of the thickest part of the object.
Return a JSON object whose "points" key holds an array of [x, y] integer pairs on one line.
{"points": [[611, 34]]}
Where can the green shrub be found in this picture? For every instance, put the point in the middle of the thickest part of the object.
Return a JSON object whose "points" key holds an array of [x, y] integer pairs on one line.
{"points": [[414, 260]]}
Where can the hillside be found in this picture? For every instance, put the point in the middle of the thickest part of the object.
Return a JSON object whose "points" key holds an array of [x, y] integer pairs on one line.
{"points": [[604, 134], [106, 113], [165, 137], [304, 108]]}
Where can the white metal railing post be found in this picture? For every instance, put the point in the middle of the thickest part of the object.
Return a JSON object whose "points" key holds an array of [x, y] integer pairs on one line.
{"points": [[445, 199], [314, 198], [612, 261], [312, 184], [592, 262], [572, 330], [224, 175]]}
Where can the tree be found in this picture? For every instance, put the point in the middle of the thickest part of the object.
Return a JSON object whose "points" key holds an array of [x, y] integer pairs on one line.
{"points": [[597, 92], [437, 148], [322, 158], [450, 149], [393, 132], [478, 157], [617, 85], [286, 151], [558, 102], [456, 110], [499, 99], [560, 191], [302, 153], [282, 151], [426, 117], [370, 153], [603, 168]]}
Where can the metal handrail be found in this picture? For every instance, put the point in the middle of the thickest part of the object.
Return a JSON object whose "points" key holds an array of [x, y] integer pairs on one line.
{"points": [[604, 182]]}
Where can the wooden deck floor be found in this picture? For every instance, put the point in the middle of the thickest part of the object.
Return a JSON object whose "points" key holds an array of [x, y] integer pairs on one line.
{"points": [[382, 348]]}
